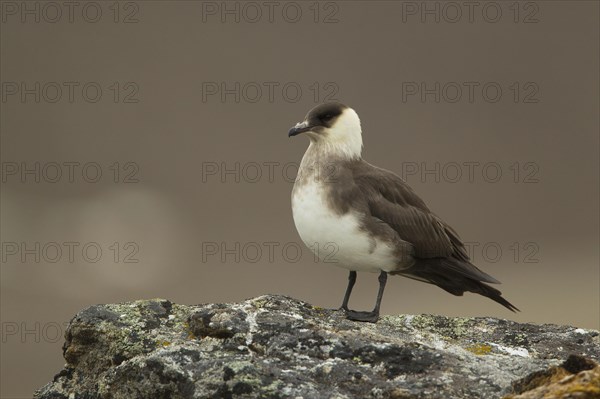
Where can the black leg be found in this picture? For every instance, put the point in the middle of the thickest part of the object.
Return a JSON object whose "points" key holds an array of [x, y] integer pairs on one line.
{"points": [[382, 281], [374, 315], [351, 281]]}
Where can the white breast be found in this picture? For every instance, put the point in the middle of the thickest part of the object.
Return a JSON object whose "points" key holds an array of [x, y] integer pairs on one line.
{"points": [[337, 239]]}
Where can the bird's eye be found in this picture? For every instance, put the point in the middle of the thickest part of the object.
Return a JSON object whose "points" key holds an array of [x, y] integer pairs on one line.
{"points": [[328, 116]]}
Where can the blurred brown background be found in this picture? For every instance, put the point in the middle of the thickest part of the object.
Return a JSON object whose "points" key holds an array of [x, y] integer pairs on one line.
{"points": [[183, 107]]}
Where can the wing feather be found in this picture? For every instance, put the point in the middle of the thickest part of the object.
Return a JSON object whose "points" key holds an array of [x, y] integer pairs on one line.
{"points": [[394, 202]]}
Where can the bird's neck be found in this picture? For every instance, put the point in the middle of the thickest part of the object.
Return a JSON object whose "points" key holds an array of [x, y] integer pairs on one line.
{"points": [[322, 162], [322, 152]]}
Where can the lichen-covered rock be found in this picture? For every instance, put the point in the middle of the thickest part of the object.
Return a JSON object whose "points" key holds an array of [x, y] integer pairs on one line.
{"points": [[279, 347]]}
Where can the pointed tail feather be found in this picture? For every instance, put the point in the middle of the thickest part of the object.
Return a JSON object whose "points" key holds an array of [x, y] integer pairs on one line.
{"points": [[495, 295], [456, 277]]}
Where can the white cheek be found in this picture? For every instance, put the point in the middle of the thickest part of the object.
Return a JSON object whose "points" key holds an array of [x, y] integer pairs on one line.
{"points": [[345, 136]]}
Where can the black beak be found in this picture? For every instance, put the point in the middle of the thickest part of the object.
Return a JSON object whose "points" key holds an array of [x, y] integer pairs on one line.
{"points": [[299, 128]]}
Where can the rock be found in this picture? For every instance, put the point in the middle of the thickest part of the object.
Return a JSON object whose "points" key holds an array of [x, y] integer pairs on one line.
{"points": [[278, 347]]}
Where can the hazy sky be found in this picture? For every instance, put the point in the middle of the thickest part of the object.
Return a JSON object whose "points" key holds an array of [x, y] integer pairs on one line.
{"points": [[145, 153]]}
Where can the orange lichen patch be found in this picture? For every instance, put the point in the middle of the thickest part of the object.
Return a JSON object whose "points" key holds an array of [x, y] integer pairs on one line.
{"points": [[480, 350], [577, 378]]}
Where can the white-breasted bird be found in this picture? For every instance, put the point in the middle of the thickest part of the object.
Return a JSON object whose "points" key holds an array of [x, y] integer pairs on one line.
{"points": [[369, 218]]}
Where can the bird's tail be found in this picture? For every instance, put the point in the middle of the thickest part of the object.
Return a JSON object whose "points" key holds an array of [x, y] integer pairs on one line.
{"points": [[456, 277]]}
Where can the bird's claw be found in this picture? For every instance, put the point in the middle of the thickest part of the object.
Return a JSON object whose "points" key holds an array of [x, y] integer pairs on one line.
{"points": [[370, 317]]}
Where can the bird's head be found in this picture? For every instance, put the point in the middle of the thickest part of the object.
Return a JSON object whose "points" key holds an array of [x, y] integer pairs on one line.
{"points": [[332, 127]]}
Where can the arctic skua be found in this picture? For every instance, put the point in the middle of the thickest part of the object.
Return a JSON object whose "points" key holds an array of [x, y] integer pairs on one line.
{"points": [[367, 219]]}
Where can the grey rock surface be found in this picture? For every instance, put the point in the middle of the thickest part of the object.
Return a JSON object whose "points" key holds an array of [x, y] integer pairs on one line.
{"points": [[279, 347]]}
